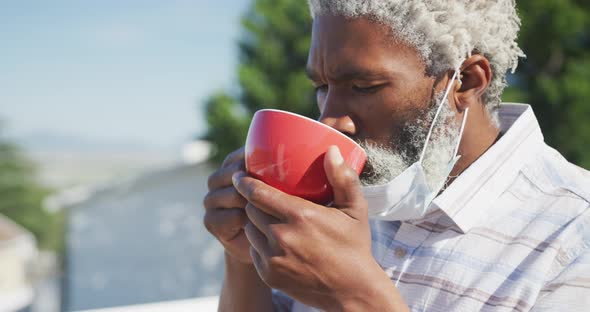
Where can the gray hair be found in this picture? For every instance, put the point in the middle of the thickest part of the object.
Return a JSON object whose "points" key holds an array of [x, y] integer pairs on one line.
{"points": [[445, 32]]}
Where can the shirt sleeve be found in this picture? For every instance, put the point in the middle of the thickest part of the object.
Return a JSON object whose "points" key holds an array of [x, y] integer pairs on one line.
{"points": [[281, 302], [570, 289]]}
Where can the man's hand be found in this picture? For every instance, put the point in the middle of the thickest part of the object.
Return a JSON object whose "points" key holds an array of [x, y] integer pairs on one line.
{"points": [[225, 217], [320, 256]]}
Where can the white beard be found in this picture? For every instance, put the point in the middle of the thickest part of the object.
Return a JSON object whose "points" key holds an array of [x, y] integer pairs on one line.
{"points": [[387, 162]]}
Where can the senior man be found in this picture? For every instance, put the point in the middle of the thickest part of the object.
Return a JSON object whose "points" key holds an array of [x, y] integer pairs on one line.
{"points": [[461, 207]]}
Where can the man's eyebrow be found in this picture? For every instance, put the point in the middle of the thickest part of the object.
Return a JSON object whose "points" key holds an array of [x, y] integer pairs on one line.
{"points": [[344, 73]]}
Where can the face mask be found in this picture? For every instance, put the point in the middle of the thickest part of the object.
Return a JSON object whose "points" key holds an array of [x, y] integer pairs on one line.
{"points": [[408, 196]]}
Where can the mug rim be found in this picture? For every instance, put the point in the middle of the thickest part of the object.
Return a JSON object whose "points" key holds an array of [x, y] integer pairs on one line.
{"points": [[312, 120]]}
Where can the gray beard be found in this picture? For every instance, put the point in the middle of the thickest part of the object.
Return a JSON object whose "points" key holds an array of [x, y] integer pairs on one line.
{"points": [[384, 163]]}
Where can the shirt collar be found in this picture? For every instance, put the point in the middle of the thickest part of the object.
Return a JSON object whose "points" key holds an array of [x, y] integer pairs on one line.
{"points": [[467, 199]]}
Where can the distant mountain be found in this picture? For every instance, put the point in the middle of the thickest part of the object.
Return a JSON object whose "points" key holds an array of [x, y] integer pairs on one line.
{"points": [[66, 161], [58, 142]]}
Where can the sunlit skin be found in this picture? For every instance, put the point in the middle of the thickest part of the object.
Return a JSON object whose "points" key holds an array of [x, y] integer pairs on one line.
{"points": [[368, 85]]}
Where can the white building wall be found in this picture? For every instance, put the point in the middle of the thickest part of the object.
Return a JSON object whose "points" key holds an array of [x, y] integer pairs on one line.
{"points": [[17, 251]]}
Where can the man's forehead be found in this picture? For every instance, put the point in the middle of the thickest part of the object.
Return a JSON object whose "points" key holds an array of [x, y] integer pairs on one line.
{"points": [[357, 31], [359, 46]]}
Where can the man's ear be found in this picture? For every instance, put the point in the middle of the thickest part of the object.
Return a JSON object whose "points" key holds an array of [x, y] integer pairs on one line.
{"points": [[476, 74]]}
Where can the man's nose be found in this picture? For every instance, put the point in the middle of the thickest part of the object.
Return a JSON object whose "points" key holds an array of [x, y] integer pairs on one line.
{"points": [[339, 121]]}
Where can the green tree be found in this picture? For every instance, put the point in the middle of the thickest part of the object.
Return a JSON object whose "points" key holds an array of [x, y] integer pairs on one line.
{"points": [[273, 54], [555, 76], [21, 198]]}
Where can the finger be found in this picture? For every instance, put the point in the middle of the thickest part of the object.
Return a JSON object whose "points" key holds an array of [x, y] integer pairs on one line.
{"points": [[222, 177], [257, 240], [257, 261], [345, 183], [224, 198], [225, 224], [260, 219], [233, 157], [266, 198]]}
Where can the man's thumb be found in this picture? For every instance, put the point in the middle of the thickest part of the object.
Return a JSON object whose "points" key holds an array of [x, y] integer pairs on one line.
{"points": [[345, 184]]}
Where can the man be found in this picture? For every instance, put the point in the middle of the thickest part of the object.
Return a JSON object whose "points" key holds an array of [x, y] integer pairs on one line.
{"points": [[503, 227]]}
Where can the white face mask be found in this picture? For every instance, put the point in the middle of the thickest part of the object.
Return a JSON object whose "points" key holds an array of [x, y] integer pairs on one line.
{"points": [[408, 195]]}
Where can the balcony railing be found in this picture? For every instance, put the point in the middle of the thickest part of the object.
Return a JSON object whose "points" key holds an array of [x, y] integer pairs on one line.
{"points": [[205, 304]]}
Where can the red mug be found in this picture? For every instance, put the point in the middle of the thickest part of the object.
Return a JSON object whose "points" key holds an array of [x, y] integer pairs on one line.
{"points": [[286, 151]]}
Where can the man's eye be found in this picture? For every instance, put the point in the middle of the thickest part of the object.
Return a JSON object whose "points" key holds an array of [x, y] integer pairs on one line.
{"points": [[366, 90]]}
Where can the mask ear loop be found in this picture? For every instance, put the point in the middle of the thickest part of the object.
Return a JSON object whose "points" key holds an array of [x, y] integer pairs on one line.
{"points": [[429, 295], [438, 113], [461, 132]]}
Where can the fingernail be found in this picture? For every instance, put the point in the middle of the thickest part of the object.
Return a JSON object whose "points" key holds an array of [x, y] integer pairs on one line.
{"points": [[335, 156]]}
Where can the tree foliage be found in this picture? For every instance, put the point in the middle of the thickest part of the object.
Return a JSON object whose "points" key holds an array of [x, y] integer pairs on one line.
{"points": [[554, 78], [271, 73], [21, 198]]}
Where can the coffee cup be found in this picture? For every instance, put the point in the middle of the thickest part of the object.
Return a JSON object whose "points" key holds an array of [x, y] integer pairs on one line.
{"points": [[286, 151]]}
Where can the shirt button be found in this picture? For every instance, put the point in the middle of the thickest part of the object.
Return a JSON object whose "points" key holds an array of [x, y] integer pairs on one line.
{"points": [[400, 252]]}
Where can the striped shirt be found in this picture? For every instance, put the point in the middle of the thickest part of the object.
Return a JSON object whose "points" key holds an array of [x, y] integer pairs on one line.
{"points": [[511, 233]]}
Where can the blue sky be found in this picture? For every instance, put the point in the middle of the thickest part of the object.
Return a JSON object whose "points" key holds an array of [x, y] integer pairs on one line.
{"points": [[115, 70]]}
